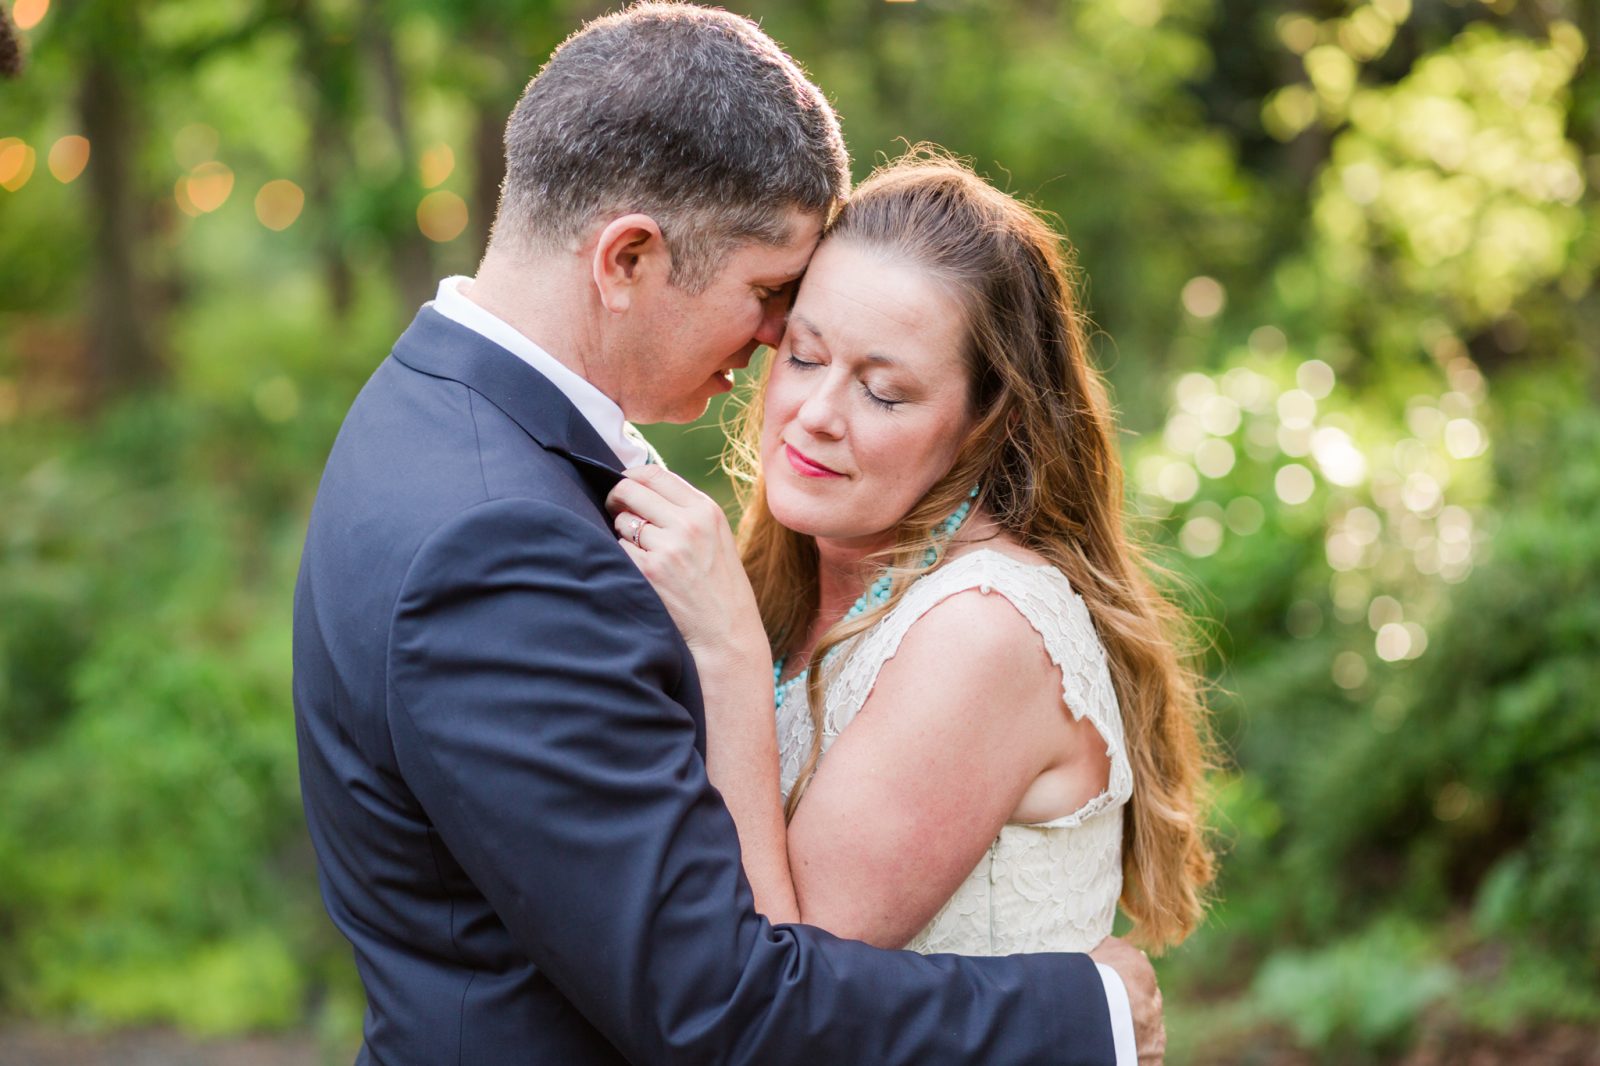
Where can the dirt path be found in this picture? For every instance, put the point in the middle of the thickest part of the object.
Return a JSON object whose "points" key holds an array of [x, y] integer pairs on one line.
{"points": [[46, 1047]]}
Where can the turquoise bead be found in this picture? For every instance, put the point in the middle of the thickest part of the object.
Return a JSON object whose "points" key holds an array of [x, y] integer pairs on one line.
{"points": [[877, 593]]}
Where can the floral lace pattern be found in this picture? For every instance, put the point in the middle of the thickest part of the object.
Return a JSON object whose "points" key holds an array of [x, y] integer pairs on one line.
{"points": [[1049, 886]]}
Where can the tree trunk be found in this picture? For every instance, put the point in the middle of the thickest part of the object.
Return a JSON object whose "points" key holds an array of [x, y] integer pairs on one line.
{"points": [[121, 349], [412, 255], [488, 166], [330, 78]]}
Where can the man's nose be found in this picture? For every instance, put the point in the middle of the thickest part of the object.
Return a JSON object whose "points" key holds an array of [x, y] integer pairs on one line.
{"points": [[774, 312]]}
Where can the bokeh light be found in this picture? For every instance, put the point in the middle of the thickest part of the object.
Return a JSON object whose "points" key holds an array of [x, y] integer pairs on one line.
{"points": [[1382, 611], [1245, 515], [1297, 409], [1193, 390], [1463, 438], [1297, 32], [1294, 440], [1183, 434], [1422, 493], [1315, 377], [1220, 415], [277, 399], [1245, 387], [1214, 457], [29, 13], [1349, 670], [442, 216], [17, 161], [68, 157], [1294, 484], [437, 164], [1201, 536], [208, 186], [1342, 551], [1393, 642], [279, 203], [1178, 482], [1337, 456], [180, 193], [1204, 297]]}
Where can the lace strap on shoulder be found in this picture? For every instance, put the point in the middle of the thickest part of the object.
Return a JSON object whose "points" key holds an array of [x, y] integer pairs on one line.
{"points": [[1043, 596]]}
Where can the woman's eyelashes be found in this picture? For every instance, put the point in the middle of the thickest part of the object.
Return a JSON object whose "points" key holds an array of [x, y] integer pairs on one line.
{"points": [[882, 401], [888, 403]]}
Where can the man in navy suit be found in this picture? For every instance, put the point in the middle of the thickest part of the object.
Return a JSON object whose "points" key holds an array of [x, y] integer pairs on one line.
{"points": [[501, 732]]}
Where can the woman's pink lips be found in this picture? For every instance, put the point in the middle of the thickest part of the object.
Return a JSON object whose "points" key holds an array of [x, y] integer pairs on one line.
{"points": [[805, 467]]}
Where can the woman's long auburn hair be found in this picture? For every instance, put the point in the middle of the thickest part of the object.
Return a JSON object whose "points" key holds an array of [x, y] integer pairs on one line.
{"points": [[1044, 456]]}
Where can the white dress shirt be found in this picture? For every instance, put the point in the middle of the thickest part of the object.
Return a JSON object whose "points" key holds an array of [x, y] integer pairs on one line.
{"points": [[598, 409], [633, 450]]}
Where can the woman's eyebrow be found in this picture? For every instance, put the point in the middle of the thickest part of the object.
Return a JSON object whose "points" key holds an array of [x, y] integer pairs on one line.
{"points": [[806, 324], [876, 358]]}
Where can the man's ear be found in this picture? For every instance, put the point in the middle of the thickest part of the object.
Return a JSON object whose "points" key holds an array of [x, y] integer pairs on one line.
{"points": [[628, 253]]}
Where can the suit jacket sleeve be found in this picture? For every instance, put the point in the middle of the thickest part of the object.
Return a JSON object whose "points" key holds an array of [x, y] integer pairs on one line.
{"points": [[529, 672]]}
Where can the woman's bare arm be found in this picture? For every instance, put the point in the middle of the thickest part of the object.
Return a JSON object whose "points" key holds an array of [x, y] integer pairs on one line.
{"points": [[964, 727]]}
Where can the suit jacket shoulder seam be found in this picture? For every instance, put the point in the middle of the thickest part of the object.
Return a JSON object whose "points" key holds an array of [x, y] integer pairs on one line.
{"points": [[477, 439]]}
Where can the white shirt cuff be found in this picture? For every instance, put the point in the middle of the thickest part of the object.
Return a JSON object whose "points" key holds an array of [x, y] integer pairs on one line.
{"points": [[1121, 1016]]}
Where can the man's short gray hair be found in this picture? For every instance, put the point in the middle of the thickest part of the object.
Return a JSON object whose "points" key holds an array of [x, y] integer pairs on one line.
{"points": [[688, 114]]}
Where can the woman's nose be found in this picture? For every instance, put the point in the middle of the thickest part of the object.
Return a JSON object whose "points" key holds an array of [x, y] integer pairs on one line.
{"points": [[820, 414]]}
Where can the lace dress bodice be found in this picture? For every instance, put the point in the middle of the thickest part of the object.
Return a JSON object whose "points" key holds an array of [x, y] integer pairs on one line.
{"points": [[1047, 886]]}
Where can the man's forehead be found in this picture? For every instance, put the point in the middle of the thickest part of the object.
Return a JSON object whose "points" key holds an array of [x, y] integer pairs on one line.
{"points": [[788, 261]]}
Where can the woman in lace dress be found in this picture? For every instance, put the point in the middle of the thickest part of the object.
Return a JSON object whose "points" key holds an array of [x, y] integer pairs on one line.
{"points": [[944, 703]]}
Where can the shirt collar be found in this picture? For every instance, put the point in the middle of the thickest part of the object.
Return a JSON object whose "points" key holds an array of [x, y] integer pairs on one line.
{"points": [[598, 409]]}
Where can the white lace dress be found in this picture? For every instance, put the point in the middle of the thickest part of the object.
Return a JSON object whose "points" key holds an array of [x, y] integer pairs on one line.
{"points": [[1046, 886]]}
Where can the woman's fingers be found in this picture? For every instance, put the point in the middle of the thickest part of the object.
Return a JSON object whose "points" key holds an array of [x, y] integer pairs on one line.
{"points": [[643, 500], [667, 501], [630, 528], [638, 555], [671, 487]]}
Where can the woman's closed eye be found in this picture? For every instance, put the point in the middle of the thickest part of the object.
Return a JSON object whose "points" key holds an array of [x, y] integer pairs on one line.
{"points": [[886, 402]]}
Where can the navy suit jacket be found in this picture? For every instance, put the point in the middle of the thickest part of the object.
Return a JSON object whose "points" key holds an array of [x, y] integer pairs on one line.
{"points": [[502, 760]]}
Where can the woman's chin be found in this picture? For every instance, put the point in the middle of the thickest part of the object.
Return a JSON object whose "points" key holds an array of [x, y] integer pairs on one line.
{"points": [[806, 517], [795, 520]]}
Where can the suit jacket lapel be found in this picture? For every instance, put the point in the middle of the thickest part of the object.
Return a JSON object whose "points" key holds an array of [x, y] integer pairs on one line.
{"points": [[435, 345]]}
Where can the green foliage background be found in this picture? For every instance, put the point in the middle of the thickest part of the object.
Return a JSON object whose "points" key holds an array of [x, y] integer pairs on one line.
{"points": [[1342, 258]]}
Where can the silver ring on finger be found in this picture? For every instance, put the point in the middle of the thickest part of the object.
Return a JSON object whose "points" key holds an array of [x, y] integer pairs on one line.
{"points": [[633, 534]]}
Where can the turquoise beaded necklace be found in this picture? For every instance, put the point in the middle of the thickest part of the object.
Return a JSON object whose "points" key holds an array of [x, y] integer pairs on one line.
{"points": [[877, 593]]}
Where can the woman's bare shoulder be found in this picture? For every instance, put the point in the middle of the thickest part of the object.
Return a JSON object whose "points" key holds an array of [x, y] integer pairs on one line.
{"points": [[1001, 544]]}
